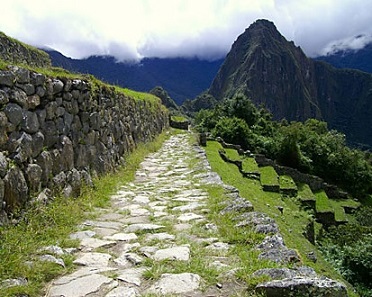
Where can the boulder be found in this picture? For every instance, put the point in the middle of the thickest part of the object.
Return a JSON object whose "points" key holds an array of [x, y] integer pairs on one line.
{"points": [[302, 286], [15, 189]]}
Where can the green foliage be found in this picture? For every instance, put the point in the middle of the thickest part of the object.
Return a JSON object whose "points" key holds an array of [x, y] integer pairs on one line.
{"points": [[233, 130], [349, 249]]}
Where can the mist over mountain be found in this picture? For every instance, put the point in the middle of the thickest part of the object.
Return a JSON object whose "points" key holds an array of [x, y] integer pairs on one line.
{"points": [[274, 72], [356, 59], [182, 78]]}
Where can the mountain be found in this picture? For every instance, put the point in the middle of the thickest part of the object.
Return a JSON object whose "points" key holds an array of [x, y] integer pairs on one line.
{"points": [[272, 71], [182, 78], [356, 59]]}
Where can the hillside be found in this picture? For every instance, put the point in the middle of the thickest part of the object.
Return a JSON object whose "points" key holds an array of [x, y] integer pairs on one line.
{"points": [[182, 78], [272, 71]]}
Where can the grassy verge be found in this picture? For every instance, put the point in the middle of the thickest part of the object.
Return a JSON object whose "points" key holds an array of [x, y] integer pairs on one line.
{"points": [[269, 176], [52, 224], [291, 223]]}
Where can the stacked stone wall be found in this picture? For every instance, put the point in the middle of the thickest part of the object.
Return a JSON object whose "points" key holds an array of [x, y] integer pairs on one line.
{"points": [[56, 132]]}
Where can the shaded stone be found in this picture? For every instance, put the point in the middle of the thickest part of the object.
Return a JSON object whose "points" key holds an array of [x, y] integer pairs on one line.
{"points": [[33, 177], [14, 113], [15, 188], [13, 282], [175, 284]]}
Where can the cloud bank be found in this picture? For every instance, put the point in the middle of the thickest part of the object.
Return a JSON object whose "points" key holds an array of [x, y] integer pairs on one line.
{"points": [[131, 30]]}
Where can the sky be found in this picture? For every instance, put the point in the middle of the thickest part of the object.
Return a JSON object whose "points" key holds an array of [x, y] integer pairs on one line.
{"points": [[134, 29]]}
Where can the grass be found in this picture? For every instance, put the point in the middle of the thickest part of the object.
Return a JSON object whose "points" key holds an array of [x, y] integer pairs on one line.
{"points": [[232, 154], [291, 222], [269, 176], [52, 224], [178, 118], [305, 193], [250, 165], [322, 202], [286, 182]]}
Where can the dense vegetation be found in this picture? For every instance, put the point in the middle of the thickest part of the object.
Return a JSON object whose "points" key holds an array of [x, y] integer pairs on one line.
{"points": [[311, 148]]}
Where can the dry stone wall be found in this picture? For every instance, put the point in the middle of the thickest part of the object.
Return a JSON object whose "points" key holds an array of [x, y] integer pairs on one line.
{"points": [[56, 132]]}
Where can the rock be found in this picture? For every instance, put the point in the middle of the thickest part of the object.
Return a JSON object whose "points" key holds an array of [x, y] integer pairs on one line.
{"points": [[93, 260], [127, 237], [33, 177], [180, 253], [282, 273], [13, 282], [14, 113], [238, 204], [134, 258], [80, 287], [50, 258], [89, 243], [122, 292], [175, 284], [143, 227], [53, 249], [260, 221], [7, 78], [222, 246], [3, 165], [300, 286], [274, 249], [15, 188], [82, 234], [160, 236], [187, 217]]}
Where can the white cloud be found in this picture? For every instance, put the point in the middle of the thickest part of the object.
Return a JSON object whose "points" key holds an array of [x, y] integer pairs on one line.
{"points": [[131, 29]]}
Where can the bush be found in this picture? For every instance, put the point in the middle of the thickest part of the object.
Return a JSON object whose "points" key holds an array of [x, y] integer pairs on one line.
{"points": [[234, 130]]}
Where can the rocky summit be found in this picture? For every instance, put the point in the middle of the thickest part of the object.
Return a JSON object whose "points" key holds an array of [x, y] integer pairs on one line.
{"points": [[161, 218], [274, 72]]}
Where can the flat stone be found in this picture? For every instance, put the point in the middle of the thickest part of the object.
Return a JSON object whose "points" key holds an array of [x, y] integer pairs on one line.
{"points": [[104, 231], [187, 207], [142, 227], [126, 247], [122, 292], [160, 236], [83, 271], [122, 237], [94, 243], [82, 234], [139, 212], [142, 199], [104, 224], [80, 287], [159, 214], [187, 217], [131, 276], [180, 253], [182, 227], [176, 284], [111, 217], [218, 246], [93, 259], [136, 220]]}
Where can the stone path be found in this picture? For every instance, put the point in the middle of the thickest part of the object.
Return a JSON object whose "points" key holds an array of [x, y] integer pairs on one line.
{"points": [[155, 239]]}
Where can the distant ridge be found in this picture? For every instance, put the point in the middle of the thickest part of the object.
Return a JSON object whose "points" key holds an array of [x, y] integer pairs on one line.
{"points": [[356, 59], [182, 78], [272, 71]]}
